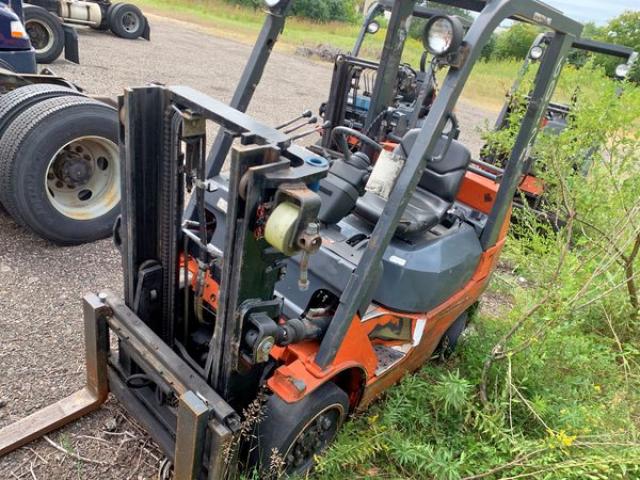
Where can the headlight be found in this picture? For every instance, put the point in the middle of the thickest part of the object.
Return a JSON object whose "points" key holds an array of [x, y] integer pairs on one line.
{"points": [[536, 52], [442, 35], [17, 30], [373, 27], [622, 70]]}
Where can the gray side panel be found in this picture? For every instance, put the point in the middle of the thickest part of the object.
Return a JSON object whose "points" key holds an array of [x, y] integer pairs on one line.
{"points": [[431, 274], [417, 276]]}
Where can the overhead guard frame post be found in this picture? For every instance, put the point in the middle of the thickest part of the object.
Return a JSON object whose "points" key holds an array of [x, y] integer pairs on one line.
{"points": [[386, 77], [251, 76], [493, 13]]}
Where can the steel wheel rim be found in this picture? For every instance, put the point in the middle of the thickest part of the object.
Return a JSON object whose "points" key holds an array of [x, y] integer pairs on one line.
{"points": [[313, 438], [82, 179], [37, 32], [130, 22]]}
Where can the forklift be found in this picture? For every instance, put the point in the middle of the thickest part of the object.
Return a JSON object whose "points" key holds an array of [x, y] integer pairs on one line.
{"points": [[283, 285]]}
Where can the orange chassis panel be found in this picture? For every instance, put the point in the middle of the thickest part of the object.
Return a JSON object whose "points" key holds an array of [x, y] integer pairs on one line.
{"points": [[299, 375]]}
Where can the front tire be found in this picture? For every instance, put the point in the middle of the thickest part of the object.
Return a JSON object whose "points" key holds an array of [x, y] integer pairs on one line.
{"points": [[292, 434], [126, 21], [45, 31], [59, 172]]}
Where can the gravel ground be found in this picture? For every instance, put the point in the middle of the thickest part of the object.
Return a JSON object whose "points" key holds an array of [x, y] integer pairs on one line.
{"points": [[41, 346]]}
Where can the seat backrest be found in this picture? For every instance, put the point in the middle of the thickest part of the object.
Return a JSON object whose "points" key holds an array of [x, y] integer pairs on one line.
{"points": [[443, 177]]}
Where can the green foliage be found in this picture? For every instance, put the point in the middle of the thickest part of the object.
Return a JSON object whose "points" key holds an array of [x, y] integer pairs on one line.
{"points": [[516, 41], [317, 10], [622, 30]]}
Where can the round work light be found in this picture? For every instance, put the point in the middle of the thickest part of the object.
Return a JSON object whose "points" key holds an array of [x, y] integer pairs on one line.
{"points": [[442, 35]]}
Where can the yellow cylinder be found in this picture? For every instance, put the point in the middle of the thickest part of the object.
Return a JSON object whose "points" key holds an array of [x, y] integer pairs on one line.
{"points": [[280, 229]]}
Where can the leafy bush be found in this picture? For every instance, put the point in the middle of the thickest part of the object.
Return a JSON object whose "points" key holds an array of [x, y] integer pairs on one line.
{"points": [[318, 10], [515, 42]]}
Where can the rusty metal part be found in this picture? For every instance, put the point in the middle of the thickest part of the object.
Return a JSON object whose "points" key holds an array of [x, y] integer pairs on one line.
{"points": [[81, 402]]}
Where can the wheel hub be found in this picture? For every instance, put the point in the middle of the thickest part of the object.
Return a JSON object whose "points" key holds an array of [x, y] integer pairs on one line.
{"points": [[73, 169], [82, 180], [130, 22], [312, 440], [39, 35]]}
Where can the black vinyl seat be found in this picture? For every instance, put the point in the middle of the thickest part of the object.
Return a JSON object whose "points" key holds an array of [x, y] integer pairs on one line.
{"points": [[436, 192]]}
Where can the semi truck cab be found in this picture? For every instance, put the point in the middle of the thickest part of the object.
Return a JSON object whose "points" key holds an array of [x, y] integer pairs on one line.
{"points": [[16, 51]]}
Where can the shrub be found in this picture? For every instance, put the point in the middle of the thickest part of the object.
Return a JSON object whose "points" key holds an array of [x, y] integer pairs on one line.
{"points": [[515, 42], [318, 10]]}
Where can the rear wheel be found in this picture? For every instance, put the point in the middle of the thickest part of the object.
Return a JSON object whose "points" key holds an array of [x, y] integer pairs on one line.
{"points": [[127, 21], [60, 172], [45, 31], [450, 339], [291, 435]]}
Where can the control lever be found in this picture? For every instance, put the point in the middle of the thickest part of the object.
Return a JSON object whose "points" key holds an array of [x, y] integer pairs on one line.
{"points": [[309, 242], [305, 114], [309, 132], [311, 121]]}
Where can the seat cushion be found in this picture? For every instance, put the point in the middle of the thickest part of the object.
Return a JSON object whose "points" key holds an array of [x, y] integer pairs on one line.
{"points": [[436, 192], [423, 212]]}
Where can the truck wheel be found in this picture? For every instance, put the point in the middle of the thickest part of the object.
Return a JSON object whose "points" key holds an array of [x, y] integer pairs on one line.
{"points": [[18, 100], [60, 171], [127, 21], [295, 433], [46, 33]]}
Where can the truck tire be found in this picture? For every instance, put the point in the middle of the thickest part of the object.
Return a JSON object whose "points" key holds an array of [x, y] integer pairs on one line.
{"points": [[45, 31], [60, 171], [18, 100], [127, 21], [318, 416]]}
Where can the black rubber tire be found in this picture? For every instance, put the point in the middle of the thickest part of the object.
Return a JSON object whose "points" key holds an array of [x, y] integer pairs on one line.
{"points": [[283, 422], [7, 66], [18, 100], [52, 26], [27, 147], [449, 340], [117, 16]]}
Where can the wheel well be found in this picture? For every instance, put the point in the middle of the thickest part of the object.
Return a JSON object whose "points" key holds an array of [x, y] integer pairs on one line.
{"points": [[352, 382]]}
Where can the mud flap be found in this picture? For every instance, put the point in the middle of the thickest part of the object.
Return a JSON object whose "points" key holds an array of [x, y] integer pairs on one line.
{"points": [[71, 50], [146, 34]]}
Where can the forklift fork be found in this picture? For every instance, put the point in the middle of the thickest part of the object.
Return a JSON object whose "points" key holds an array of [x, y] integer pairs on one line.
{"points": [[203, 418], [82, 402]]}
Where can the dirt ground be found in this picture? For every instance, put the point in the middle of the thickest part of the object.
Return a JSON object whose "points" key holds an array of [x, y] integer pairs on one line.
{"points": [[41, 337]]}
